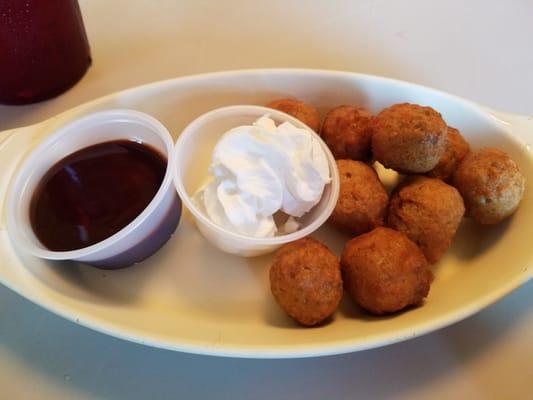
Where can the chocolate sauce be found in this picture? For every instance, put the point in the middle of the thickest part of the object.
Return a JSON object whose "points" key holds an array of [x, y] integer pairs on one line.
{"points": [[93, 193]]}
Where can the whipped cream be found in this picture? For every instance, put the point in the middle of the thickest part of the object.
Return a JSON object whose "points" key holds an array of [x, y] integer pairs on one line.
{"points": [[260, 170]]}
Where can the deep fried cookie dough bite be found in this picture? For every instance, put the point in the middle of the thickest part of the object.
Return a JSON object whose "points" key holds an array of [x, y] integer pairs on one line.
{"points": [[429, 212], [298, 109], [409, 138], [384, 271], [305, 280], [347, 132], [456, 150], [491, 184], [362, 202]]}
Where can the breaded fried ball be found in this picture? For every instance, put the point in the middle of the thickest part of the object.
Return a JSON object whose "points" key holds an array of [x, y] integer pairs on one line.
{"points": [[305, 279], [362, 202], [384, 272], [346, 131], [456, 149], [491, 184], [429, 212], [298, 109], [409, 138]]}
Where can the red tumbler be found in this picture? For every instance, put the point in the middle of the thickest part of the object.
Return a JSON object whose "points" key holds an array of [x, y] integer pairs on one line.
{"points": [[43, 49]]}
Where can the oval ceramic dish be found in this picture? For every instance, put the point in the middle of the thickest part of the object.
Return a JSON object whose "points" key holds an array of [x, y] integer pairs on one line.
{"points": [[191, 297]]}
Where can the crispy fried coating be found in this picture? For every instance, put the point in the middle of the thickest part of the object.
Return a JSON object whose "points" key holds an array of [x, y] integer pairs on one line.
{"points": [[491, 184], [456, 150], [346, 130], [429, 212], [409, 138], [362, 202], [305, 280], [298, 109], [384, 271]]}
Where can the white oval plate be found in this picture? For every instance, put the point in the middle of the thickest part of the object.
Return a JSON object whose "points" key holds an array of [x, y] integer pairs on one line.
{"points": [[191, 297]]}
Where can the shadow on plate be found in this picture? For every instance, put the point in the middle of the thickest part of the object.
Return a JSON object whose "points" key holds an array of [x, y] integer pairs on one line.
{"points": [[86, 283], [473, 240], [349, 309]]}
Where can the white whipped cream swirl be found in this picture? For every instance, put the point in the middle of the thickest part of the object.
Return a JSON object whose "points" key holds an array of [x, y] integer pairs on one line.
{"points": [[257, 171]]}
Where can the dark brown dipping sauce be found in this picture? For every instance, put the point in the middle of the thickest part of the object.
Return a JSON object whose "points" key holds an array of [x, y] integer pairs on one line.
{"points": [[95, 192]]}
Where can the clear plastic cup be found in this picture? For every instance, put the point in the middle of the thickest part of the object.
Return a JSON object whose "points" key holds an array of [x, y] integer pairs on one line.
{"points": [[193, 152], [137, 240]]}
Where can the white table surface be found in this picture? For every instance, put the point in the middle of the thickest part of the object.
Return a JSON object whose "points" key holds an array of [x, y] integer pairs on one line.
{"points": [[479, 49]]}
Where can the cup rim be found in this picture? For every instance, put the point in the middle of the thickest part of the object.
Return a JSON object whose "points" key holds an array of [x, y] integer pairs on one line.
{"points": [[99, 118], [191, 130]]}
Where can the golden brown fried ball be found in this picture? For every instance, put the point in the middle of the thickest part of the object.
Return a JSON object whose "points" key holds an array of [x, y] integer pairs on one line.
{"points": [[362, 202], [456, 149], [384, 272], [491, 185], [429, 212], [305, 280], [298, 109], [409, 138], [346, 130]]}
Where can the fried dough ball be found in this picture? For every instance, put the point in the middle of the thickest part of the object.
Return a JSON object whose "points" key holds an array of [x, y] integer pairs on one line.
{"points": [[298, 109], [456, 149], [305, 279], [346, 131], [491, 185], [429, 212], [362, 202], [409, 138], [384, 271]]}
